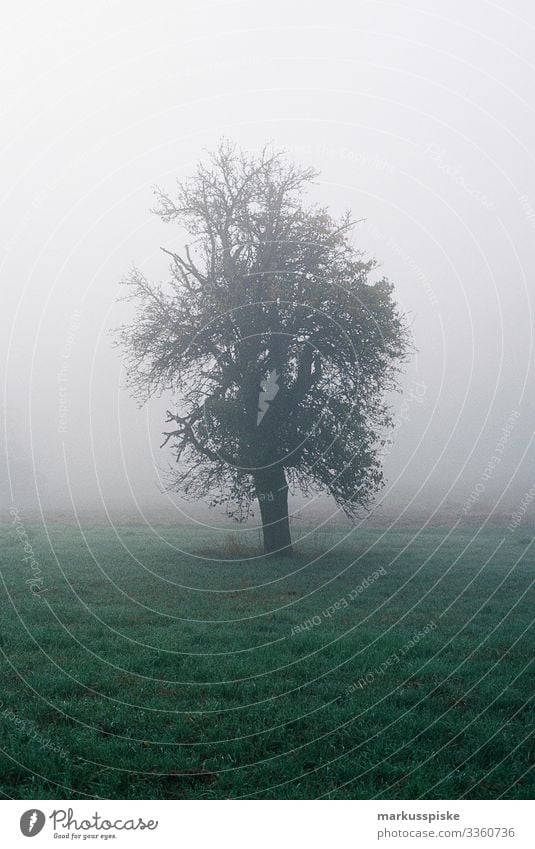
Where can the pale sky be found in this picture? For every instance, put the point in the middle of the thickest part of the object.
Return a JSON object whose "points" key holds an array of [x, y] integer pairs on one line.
{"points": [[420, 117]]}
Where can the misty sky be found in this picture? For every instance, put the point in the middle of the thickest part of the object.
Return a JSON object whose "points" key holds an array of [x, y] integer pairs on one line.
{"points": [[420, 117]]}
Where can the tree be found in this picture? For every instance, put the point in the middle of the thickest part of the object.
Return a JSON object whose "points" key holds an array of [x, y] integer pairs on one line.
{"points": [[277, 344]]}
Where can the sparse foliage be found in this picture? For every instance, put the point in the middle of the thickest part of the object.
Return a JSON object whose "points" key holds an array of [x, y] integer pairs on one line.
{"points": [[279, 347]]}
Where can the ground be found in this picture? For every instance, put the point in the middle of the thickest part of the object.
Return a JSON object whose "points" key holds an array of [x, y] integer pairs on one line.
{"points": [[176, 663]]}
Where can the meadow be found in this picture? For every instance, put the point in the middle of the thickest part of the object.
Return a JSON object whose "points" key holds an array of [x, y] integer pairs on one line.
{"points": [[172, 663]]}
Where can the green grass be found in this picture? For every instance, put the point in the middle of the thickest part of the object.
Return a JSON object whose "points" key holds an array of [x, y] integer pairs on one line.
{"points": [[162, 671]]}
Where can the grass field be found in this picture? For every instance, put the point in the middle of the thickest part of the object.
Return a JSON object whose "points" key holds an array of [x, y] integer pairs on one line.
{"points": [[150, 667]]}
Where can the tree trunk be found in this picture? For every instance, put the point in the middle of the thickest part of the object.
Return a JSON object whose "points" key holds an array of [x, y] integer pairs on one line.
{"points": [[272, 493]]}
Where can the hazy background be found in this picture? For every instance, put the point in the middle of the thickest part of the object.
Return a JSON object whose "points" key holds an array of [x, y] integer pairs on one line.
{"points": [[421, 119]]}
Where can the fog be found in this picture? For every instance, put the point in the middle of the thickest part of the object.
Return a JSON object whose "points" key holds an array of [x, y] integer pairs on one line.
{"points": [[420, 118]]}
